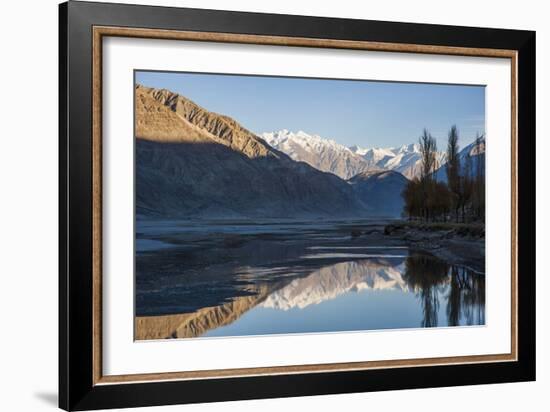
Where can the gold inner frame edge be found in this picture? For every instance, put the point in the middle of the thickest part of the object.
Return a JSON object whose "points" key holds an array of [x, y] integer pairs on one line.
{"points": [[102, 31]]}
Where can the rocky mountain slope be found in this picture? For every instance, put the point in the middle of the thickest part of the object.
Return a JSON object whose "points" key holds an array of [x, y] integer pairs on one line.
{"points": [[194, 163]]}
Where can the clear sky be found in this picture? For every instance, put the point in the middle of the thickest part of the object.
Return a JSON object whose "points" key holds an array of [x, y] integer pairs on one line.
{"points": [[351, 112]]}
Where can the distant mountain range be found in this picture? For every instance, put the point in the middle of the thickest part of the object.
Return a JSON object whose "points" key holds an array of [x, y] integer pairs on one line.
{"points": [[191, 162], [323, 154], [404, 159], [346, 162]]}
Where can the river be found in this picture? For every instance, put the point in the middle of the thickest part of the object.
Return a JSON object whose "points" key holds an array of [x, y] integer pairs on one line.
{"points": [[242, 278]]}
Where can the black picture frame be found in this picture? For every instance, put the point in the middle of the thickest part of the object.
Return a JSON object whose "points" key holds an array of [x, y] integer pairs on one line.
{"points": [[77, 390]]}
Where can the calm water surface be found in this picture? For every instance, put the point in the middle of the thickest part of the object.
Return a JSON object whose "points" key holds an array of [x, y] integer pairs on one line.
{"points": [[197, 279]]}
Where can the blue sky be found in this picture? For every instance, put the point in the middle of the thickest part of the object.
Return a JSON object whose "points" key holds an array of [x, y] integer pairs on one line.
{"points": [[363, 113]]}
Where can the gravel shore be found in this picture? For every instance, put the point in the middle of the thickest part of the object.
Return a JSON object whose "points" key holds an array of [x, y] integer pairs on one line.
{"points": [[458, 244]]}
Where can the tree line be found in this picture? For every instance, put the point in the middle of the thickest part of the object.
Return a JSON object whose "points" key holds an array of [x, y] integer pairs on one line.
{"points": [[461, 198]]}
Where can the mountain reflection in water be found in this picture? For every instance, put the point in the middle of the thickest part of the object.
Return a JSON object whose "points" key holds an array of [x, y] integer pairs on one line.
{"points": [[385, 290]]}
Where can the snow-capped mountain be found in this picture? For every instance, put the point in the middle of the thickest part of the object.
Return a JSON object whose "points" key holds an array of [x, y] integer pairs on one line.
{"points": [[346, 162], [323, 154], [404, 159], [472, 154], [374, 155], [330, 282]]}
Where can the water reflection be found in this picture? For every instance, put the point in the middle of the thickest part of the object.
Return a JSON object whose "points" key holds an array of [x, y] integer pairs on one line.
{"points": [[362, 294], [433, 279], [332, 281], [466, 298], [427, 276]]}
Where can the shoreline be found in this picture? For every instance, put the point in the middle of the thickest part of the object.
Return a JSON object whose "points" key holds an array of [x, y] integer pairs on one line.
{"points": [[460, 244]]}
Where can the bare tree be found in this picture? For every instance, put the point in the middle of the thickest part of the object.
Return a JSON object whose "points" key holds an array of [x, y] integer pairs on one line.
{"points": [[467, 186], [479, 180], [453, 170], [428, 152]]}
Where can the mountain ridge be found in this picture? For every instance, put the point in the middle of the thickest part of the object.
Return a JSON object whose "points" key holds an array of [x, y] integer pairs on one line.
{"points": [[327, 155], [321, 153], [191, 162]]}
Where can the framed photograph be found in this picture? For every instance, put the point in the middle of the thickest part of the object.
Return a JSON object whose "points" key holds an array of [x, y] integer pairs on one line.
{"points": [[257, 205]]}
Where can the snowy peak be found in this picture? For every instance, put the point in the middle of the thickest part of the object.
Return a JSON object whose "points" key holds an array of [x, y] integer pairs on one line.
{"points": [[473, 150], [377, 155], [321, 153], [310, 142], [404, 159], [407, 148], [329, 156]]}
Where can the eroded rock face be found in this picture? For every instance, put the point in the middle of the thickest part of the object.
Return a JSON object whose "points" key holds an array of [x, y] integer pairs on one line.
{"points": [[194, 163], [222, 129]]}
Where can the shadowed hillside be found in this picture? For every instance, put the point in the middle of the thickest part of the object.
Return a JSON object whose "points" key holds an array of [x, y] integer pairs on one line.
{"points": [[381, 190], [194, 163]]}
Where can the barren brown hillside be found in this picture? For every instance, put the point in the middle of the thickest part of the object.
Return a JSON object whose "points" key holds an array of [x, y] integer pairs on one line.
{"points": [[194, 163], [177, 118]]}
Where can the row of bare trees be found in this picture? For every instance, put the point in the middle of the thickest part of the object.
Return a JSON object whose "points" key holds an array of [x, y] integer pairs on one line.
{"points": [[462, 197]]}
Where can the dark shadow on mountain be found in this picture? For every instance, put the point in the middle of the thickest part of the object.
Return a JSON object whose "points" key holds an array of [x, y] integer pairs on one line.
{"points": [[212, 180], [380, 191]]}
